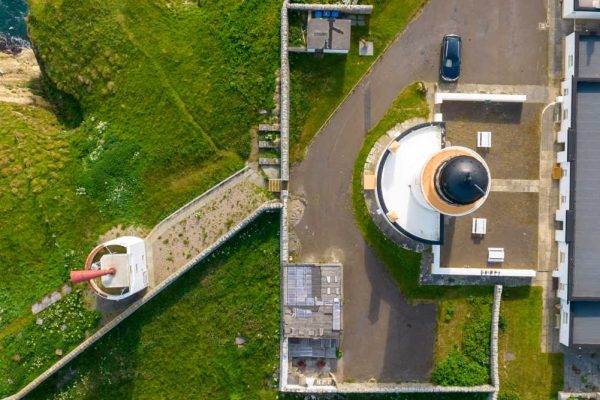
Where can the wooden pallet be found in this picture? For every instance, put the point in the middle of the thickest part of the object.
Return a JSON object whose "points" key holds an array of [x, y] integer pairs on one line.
{"points": [[275, 185]]}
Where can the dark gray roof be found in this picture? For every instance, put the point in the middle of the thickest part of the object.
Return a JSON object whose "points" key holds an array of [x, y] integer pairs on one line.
{"points": [[585, 323], [586, 263], [589, 57], [329, 34]]}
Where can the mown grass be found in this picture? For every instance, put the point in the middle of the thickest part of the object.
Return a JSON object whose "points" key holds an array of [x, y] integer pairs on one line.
{"points": [[181, 345], [532, 375], [319, 85], [463, 325]]}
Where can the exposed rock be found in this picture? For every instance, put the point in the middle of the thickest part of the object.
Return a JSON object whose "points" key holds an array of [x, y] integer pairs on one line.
{"points": [[240, 340], [66, 289]]}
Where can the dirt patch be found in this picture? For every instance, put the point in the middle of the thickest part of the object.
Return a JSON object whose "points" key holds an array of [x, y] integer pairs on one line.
{"points": [[296, 210], [119, 231]]}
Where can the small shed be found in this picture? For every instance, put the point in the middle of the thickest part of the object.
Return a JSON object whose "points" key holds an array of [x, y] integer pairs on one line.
{"points": [[329, 35]]}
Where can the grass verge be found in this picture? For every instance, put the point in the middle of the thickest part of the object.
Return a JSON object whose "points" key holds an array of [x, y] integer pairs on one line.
{"points": [[531, 375]]}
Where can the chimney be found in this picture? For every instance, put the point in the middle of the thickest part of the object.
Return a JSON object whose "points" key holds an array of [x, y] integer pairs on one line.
{"points": [[87, 274]]}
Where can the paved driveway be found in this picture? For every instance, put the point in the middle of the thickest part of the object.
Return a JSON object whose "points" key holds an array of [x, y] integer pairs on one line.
{"points": [[384, 337]]}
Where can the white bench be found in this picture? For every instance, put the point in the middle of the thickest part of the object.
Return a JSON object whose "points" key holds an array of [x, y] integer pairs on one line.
{"points": [[479, 226], [484, 140], [495, 254]]}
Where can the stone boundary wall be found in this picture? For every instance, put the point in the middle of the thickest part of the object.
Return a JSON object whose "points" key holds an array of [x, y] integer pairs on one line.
{"points": [[391, 388], [283, 262], [410, 388], [270, 206], [284, 110], [578, 395], [284, 131], [347, 8], [495, 378], [198, 198]]}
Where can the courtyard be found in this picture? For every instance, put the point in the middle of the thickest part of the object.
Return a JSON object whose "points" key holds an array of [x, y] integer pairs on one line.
{"points": [[386, 338], [512, 208]]}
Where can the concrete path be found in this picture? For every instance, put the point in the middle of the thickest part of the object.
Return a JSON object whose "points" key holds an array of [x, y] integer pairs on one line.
{"points": [[547, 249], [515, 185], [384, 337]]}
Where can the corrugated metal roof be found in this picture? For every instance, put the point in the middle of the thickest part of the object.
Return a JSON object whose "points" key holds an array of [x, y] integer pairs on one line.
{"points": [[586, 323], [586, 261], [589, 57]]}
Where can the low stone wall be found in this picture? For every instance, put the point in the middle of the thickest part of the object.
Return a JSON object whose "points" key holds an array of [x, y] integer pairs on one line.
{"points": [[345, 8], [390, 388], [271, 206], [284, 117], [578, 395], [410, 388], [494, 341]]}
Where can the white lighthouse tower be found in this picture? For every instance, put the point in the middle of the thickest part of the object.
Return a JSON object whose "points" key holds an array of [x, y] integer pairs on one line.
{"points": [[419, 180]]}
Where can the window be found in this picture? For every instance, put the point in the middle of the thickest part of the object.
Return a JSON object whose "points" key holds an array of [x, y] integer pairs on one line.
{"points": [[565, 317], [566, 92], [562, 258], [563, 199], [570, 60], [566, 113], [561, 286]]}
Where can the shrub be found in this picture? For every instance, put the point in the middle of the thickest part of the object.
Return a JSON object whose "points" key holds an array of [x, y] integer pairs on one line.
{"points": [[459, 370]]}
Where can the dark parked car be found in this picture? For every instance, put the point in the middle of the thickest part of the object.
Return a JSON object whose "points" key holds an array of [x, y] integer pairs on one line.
{"points": [[450, 63]]}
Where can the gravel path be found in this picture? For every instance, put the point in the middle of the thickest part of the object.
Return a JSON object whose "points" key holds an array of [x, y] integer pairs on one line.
{"points": [[177, 240]]}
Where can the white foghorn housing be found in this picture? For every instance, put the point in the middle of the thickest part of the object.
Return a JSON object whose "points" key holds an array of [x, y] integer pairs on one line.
{"points": [[127, 257]]}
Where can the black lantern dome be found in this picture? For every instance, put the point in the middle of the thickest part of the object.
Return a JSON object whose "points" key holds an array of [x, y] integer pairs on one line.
{"points": [[462, 180]]}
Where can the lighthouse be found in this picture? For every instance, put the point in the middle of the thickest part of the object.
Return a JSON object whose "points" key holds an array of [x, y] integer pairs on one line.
{"points": [[420, 180]]}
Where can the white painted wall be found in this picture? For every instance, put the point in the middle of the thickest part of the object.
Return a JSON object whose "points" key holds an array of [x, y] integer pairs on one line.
{"points": [[565, 312], [440, 97], [563, 270]]}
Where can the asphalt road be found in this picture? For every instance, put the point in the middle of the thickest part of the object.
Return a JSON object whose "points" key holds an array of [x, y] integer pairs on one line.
{"points": [[384, 337]]}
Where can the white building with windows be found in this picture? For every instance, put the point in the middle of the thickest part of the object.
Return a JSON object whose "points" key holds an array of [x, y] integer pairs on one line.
{"points": [[577, 217], [581, 9]]}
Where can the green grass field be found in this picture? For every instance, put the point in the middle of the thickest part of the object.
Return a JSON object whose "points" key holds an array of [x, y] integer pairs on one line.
{"points": [[532, 375], [154, 106], [181, 345], [463, 318]]}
